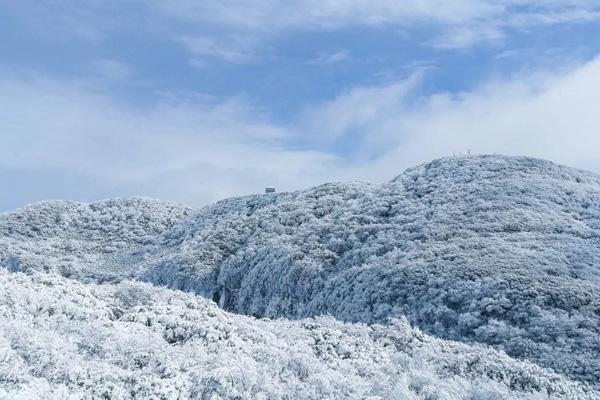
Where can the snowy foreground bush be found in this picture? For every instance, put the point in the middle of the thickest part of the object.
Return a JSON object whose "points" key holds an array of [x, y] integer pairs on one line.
{"points": [[60, 338], [502, 254]]}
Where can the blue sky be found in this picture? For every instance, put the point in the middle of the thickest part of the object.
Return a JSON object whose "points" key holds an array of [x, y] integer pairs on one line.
{"points": [[194, 101]]}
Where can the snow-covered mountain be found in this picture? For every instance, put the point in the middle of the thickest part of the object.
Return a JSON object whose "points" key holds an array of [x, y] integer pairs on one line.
{"points": [[464, 278]]}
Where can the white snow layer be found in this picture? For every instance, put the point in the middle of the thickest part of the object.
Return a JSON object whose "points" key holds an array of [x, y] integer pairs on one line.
{"points": [[502, 254]]}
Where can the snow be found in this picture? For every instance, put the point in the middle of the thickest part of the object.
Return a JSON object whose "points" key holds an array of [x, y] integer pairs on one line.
{"points": [[492, 260], [60, 338]]}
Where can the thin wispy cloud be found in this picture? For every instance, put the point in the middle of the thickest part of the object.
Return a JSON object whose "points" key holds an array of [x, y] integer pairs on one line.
{"points": [[466, 22], [330, 58], [310, 14], [234, 50], [465, 37], [112, 69]]}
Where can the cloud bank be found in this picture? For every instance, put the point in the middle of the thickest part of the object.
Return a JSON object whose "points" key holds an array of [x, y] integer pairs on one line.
{"points": [[61, 135]]}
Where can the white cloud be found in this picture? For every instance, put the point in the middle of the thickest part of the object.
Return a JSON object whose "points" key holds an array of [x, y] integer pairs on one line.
{"points": [[196, 151], [463, 37], [463, 23], [113, 69], [361, 108], [269, 15], [238, 31], [548, 115], [330, 58], [234, 50], [191, 151]]}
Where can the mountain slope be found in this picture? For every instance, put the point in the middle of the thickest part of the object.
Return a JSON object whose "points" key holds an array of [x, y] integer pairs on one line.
{"points": [[503, 251], [497, 250]]}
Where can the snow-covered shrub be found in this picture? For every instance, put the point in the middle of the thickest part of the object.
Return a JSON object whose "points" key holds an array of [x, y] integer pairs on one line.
{"points": [[61, 339]]}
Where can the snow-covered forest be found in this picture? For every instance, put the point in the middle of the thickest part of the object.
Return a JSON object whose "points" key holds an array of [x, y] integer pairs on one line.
{"points": [[464, 278]]}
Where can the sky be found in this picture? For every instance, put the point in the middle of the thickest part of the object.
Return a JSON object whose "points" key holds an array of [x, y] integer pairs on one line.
{"points": [[193, 101]]}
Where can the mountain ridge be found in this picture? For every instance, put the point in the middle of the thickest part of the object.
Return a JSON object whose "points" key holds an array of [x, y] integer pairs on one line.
{"points": [[496, 250]]}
